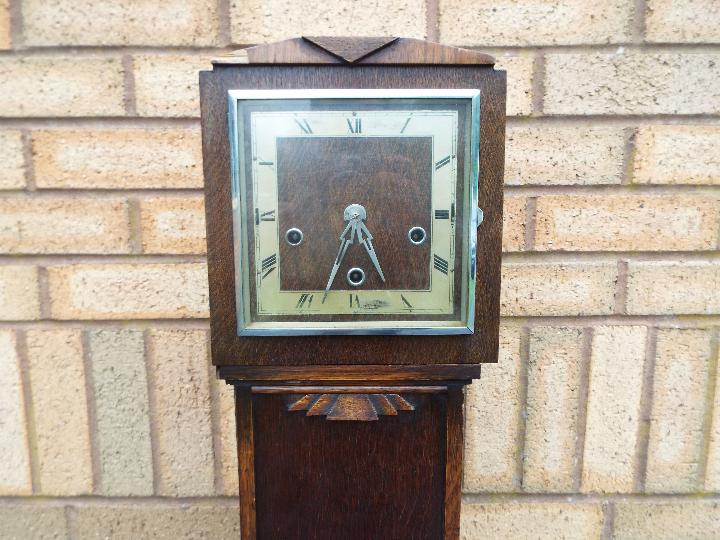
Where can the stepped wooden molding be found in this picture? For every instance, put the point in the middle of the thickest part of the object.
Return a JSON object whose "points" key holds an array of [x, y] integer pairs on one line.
{"points": [[350, 407]]}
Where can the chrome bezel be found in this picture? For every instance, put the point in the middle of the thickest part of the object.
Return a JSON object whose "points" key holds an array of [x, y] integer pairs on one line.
{"points": [[415, 327]]}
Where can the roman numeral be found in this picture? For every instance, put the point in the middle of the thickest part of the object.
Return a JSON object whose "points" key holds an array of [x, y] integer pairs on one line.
{"points": [[304, 298], [444, 161], [303, 124], [405, 301], [354, 298], [264, 216], [406, 124], [268, 265], [440, 264], [356, 126], [442, 214]]}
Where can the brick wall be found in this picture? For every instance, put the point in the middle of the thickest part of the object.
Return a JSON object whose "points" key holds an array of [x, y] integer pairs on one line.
{"points": [[602, 419]]}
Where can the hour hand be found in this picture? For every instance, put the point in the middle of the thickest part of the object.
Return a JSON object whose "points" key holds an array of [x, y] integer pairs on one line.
{"points": [[344, 244], [367, 244]]}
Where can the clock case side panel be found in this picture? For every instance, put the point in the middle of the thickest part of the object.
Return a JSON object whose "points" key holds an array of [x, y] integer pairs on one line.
{"points": [[228, 349]]}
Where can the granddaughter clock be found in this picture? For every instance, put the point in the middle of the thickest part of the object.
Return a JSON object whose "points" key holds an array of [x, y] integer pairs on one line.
{"points": [[353, 193]]}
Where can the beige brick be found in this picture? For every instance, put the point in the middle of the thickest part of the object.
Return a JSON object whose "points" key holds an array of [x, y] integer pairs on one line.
{"points": [[12, 174], [122, 412], [682, 21], [552, 409], [19, 296], [179, 365], [519, 83], [613, 408], [119, 22], [712, 474], [677, 155], [514, 223], [256, 21], [33, 522], [673, 287], [173, 224], [627, 222], [545, 289], [539, 155], [542, 520], [128, 291], [678, 407], [64, 225], [15, 471], [225, 407], [695, 519], [632, 83], [492, 429], [61, 86], [159, 521], [118, 158], [533, 22], [168, 85], [57, 381], [5, 41]]}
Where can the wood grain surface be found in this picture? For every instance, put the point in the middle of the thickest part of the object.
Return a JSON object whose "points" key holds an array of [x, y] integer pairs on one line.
{"points": [[395, 477], [351, 373], [349, 407], [383, 471], [319, 177], [316, 479], [227, 347], [358, 50]]}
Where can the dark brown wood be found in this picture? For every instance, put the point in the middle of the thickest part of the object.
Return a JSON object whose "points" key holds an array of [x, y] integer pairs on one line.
{"points": [[390, 464], [419, 373], [453, 462], [416, 51], [325, 50], [227, 348], [350, 49], [294, 51], [246, 460], [317, 479], [398, 478], [380, 172], [348, 407], [346, 389]]}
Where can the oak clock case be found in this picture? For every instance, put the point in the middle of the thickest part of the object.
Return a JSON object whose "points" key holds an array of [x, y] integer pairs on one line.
{"points": [[331, 167], [354, 211]]}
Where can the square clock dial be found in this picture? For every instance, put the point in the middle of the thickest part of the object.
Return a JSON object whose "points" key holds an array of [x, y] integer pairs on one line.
{"points": [[355, 211]]}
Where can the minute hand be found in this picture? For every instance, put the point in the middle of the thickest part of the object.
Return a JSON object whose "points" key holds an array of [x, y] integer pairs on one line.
{"points": [[367, 243]]}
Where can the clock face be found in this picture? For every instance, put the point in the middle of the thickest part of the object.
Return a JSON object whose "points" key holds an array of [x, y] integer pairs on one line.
{"points": [[354, 213]]}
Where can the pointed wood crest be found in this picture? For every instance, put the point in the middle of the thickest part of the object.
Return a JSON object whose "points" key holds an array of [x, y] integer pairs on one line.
{"points": [[355, 50], [350, 49]]}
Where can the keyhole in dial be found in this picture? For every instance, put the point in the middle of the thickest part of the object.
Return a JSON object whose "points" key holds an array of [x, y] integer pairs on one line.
{"points": [[417, 235], [294, 236], [356, 277]]}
